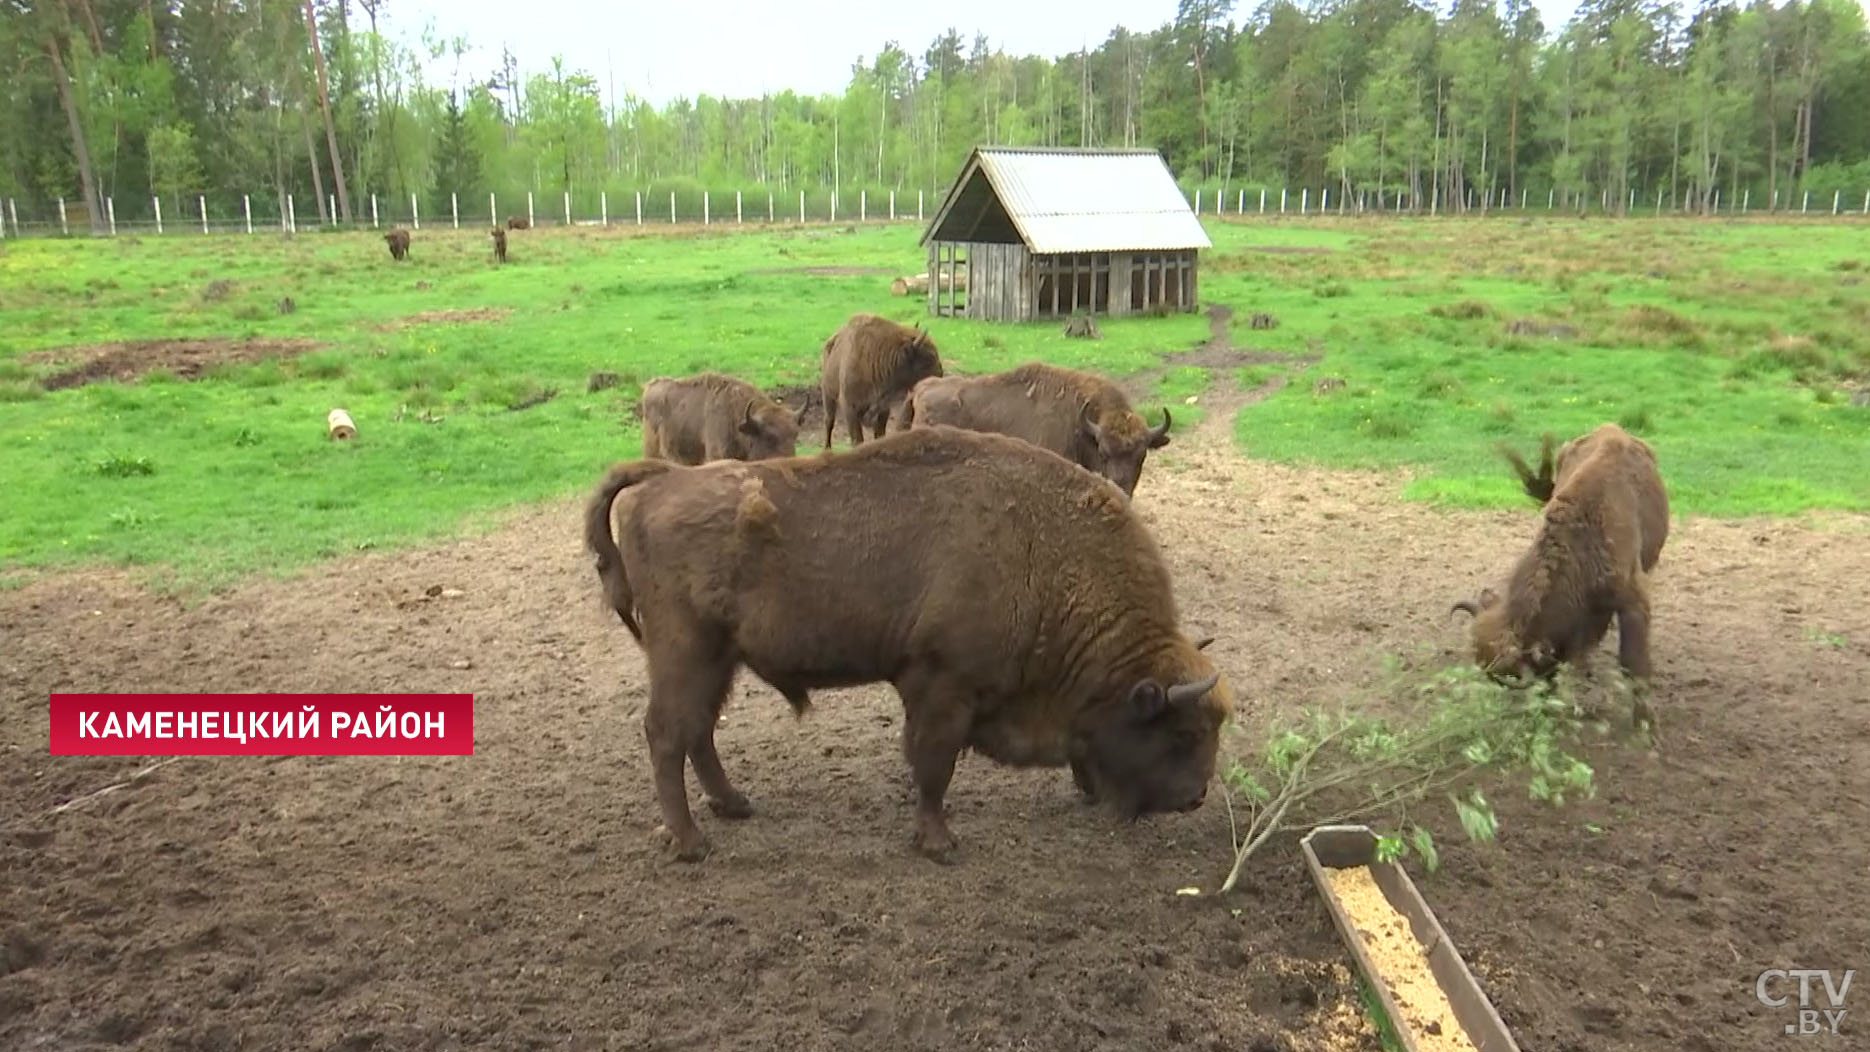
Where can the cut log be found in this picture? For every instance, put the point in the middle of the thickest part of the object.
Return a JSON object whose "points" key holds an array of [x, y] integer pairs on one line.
{"points": [[339, 422], [917, 284]]}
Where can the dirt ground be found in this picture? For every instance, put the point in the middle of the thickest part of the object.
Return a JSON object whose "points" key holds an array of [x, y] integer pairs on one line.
{"points": [[126, 361], [516, 899]]}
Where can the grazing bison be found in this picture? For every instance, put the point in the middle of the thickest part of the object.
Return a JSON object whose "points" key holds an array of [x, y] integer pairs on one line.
{"points": [[499, 245], [695, 419], [868, 366], [1080, 416], [1074, 659], [1605, 520], [399, 244], [517, 223]]}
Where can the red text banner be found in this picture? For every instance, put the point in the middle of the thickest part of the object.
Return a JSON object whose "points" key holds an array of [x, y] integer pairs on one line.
{"points": [[262, 725]]}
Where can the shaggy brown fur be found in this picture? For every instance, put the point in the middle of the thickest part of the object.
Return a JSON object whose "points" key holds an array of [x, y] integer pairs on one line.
{"points": [[518, 223], [1605, 520], [499, 245], [1074, 658], [713, 417], [868, 366], [1079, 415], [399, 244]]}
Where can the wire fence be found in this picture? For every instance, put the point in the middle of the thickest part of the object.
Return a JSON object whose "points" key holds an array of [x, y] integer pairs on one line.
{"points": [[224, 213]]}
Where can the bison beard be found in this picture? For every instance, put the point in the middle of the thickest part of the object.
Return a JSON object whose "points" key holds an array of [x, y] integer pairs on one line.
{"points": [[1605, 520], [1077, 661]]}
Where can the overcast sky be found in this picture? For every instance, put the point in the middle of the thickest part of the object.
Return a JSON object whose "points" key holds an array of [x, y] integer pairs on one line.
{"points": [[740, 48]]}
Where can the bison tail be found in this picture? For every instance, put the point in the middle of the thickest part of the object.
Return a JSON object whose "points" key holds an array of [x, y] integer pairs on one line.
{"points": [[598, 537]]}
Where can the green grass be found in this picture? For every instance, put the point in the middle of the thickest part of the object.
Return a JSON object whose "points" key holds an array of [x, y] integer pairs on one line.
{"points": [[1390, 1040], [1728, 345]]}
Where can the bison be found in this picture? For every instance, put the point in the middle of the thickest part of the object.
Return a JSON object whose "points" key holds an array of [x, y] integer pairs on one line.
{"points": [[499, 245], [1606, 516], [1080, 416], [695, 419], [1016, 603], [868, 366], [399, 244], [518, 223]]}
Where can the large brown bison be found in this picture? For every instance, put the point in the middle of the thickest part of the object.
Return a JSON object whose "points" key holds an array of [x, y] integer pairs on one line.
{"points": [[868, 366], [695, 419], [518, 223], [499, 245], [1073, 658], [1605, 520], [398, 240], [1080, 416]]}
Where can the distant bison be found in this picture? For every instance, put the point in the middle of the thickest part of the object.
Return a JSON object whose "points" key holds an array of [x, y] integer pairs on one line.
{"points": [[713, 417], [399, 244], [499, 245], [868, 366], [1605, 520], [1015, 602], [1080, 416], [517, 223]]}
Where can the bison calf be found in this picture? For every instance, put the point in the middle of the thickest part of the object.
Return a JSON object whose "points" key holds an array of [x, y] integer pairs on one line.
{"points": [[706, 417], [518, 223], [868, 366], [1080, 416], [499, 245], [1605, 520], [398, 240], [1076, 659]]}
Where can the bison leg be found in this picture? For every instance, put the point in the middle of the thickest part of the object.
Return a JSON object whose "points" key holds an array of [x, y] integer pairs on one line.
{"points": [[831, 414], [683, 699], [854, 424], [723, 799], [935, 729], [1081, 778], [1633, 654]]}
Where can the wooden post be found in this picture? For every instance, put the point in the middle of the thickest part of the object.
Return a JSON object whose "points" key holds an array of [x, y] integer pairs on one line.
{"points": [[639, 208], [1835, 199], [672, 206], [291, 219], [331, 208], [454, 208], [801, 206], [415, 216], [1240, 203], [834, 206], [338, 424], [704, 208], [603, 207], [110, 207], [246, 208], [1262, 200], [769, 206], [202, 200], [158, 202], [1305, 199], [63, 226], [568, 208], [373, 212], [1324, 200], [738, 215], [493, 209], [529, 216], [1197, 200], [892, 206], [1804, 206], [1282, 200]]}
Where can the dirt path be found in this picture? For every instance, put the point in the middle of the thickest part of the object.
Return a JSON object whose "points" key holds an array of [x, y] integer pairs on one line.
{"points": [[515, 900]]}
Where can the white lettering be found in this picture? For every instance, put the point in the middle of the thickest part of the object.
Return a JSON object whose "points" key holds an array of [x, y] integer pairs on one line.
{"points": [[308, 724], [360, 726], [210, 725], [236, 728], [432, 722], [412, 725], [1836, 993], [165, 724], [136, 725], [186, 725], [339, 721], [386, 723], [87, 725]]}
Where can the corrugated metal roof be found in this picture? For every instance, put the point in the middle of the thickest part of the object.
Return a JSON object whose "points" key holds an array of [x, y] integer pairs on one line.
{"points": [[1086, 200]]}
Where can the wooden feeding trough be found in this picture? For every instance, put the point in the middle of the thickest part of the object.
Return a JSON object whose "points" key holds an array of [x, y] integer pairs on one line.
{"points": [[1400, 948]]}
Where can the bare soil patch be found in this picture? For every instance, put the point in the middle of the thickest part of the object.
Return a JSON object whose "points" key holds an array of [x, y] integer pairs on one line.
{"points": [[516, 898], [446, 317], [126, 361]]}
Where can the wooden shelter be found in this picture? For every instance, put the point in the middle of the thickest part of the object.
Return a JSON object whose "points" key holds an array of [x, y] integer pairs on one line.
{"points": [[1029, 233]]}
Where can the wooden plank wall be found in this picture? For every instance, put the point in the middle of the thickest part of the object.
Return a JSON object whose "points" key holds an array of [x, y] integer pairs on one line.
{"points": [[999, 283]]}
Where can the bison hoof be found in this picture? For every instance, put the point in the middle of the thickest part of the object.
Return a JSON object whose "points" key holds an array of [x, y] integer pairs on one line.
{"points": [[937, 845], [734, 806], [690, 848]]}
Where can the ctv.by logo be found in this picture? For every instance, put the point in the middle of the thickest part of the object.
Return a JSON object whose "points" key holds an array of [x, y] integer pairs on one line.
{"points": [[1812, 1019]]}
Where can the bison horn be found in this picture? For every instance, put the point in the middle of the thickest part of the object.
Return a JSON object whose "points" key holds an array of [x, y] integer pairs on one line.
{"points": [[1203, 642], [1156, 433], [1090, 423], [1466, 606], [1186, 692]]}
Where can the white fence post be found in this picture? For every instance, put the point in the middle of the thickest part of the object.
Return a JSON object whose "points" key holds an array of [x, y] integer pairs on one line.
{"points": [[603, 207], [834, 206], [331, 208], [63, 226], [110, 206], [374, 221], [639, 208], [769, 206], [1746, 197], [1867, 204], [672, 206], [801, 206], [202, 200], [1197, 200], [1804, 205], [863, 205], [493, 209], [454, 208], [415, 214], [1717, 199], [1240, 203], [529, 208], [1835, 199], [737, 214], [1262, 200], [1282, 200], [918, 206], [705, 208], [568, 208], [246, 208], [1324, 200], [158, 202], [1305, 200], [892, 206], [292, 215]]}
